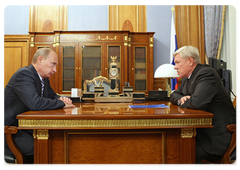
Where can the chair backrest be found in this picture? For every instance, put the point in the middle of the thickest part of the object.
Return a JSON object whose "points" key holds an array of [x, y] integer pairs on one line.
{"points": [[89, 85]]}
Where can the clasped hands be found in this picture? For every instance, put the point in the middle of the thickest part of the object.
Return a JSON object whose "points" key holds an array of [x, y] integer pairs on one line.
{"points": [[183, 99], [67, 102]]}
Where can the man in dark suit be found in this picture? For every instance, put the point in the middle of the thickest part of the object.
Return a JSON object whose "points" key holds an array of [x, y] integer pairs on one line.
{"points": [[29, 89], [202, 89]]}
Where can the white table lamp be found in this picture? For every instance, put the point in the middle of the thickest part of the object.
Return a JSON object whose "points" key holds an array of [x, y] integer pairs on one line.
{"points": [[166, 71]]}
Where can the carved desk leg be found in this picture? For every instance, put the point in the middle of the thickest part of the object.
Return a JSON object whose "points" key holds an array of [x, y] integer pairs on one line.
{"points": [[188, 146], [40, 146]]}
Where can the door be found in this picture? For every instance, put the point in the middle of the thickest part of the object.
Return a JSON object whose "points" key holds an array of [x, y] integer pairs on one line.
{"points": [[139, 68], [69, 64]]}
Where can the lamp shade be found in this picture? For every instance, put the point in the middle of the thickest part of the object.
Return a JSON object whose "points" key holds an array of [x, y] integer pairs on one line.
{"points": [[165, 71]]}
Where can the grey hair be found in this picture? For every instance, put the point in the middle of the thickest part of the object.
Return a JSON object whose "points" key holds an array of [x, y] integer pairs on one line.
{"points": [[44, 52], [188, 51]]}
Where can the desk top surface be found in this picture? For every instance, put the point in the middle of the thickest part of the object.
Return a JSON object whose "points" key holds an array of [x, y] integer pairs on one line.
{"points": [[116, 111]]}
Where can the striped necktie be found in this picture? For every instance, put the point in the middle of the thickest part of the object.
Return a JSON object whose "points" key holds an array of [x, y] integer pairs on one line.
{"points": [[42, 83]]}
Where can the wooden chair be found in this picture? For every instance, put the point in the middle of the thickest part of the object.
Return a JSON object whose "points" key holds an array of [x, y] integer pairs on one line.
{"points": [[8, 131], [230, 155], [17, 156], [89, 85]]}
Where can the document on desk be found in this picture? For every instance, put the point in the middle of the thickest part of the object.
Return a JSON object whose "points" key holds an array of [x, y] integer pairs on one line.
{"points": [[149, 106]]}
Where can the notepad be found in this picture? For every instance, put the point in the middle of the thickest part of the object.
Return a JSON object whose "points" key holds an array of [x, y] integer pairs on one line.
{"points": [[149, 106]]}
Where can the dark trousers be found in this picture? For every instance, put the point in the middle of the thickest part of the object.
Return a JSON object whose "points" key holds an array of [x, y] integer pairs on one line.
{"points": [[201, 154]]}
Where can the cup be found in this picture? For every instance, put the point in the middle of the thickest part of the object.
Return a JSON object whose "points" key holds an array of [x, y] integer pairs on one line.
{"points": [[74, 92]]}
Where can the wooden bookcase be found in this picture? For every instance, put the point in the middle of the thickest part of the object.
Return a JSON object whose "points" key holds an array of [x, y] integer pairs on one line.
{"points": [[84, 55]]}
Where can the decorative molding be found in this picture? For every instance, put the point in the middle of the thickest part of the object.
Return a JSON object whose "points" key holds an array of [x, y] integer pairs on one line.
{"points": [[32, 41], [127, 25], [188, 132], [34, 133], [112, 123], [40, 134], [81, 38]]}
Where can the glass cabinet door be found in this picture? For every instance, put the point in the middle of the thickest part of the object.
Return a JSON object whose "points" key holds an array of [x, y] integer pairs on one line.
{"points": [[91, 62], [140, 69], [68, 68], [115, 51]]}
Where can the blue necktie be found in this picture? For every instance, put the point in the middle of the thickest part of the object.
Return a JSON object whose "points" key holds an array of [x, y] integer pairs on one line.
{"points": [[42, 82]]}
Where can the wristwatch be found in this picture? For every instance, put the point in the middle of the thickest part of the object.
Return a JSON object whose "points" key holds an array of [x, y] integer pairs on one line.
{"points": [[178, 102]]}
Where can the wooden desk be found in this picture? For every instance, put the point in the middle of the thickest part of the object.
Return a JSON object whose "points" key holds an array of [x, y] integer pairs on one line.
{"points": [[114, 133]]}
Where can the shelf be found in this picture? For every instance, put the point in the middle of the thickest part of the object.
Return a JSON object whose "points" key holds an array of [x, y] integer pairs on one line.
{"points": [[140, 79], [69, 56], [68, 79], [89, 57], [91, 68], [68, 68]]}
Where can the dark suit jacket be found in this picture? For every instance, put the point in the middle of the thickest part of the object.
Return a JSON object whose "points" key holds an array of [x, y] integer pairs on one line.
{"points": [[208, 94], [23, 93]]}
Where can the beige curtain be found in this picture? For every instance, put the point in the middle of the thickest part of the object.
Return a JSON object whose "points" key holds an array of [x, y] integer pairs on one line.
{"points": [[213, 25]]}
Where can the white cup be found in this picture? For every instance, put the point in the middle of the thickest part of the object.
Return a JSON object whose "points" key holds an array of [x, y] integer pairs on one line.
{"points": [[74, 92]]}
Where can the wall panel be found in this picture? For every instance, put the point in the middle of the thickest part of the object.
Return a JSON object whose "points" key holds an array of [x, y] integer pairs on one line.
{"points": [[46, 18], [128, 17], [16, 54]]}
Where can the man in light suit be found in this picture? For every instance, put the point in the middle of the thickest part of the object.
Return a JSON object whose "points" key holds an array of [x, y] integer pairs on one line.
{"points": [[29, 89], [201, 88]]}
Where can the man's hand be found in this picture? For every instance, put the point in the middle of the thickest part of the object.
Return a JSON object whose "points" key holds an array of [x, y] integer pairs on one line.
{"points": [[68, 106], [183, 99], [67, 101]]}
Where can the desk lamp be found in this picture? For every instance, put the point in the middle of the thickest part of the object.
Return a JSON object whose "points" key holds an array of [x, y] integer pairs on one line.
{"points": [[166, 71]]}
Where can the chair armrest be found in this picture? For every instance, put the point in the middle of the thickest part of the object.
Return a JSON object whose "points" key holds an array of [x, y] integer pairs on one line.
{"points": [[9, 130], [231, 128]]}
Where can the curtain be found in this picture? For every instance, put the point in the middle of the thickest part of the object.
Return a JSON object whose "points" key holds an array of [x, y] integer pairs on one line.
{"points": [[213, 26]]}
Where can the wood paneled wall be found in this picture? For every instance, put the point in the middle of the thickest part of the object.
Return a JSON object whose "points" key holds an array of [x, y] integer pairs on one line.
{"points": [[189, 29], [128, 17], [46, 18], [16, 54]]}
